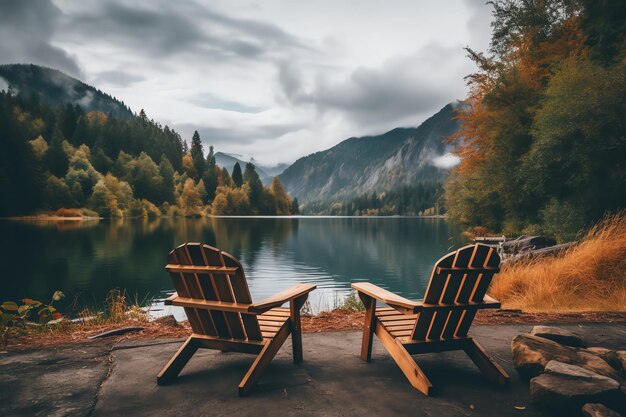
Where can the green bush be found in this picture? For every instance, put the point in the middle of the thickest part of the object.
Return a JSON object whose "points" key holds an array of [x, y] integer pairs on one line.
{"points": [[14, 316]]}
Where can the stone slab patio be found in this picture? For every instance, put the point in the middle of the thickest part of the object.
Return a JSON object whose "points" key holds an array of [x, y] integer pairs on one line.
{"points": [[120, 380]]}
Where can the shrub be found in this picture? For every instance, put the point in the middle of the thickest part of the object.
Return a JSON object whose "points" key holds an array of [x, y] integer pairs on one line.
{"points": [[15, 316], [351, 303], [68, 212]]}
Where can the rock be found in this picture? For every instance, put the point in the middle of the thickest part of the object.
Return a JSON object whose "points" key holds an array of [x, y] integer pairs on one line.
{"points": [[597, 364], [621, 357], [610, 356], [532, 353], [599, 410], [558, 335], [567, 388], [168, 320]]}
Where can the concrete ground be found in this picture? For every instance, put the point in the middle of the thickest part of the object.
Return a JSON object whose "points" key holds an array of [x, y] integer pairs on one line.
{"points": [[98, 380]]}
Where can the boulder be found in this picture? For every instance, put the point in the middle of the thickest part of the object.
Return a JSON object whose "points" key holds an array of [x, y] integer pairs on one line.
{"points": [[610, 356], [599, 410], [558, 335], [566, 388], [598, 365], [532, 353]]}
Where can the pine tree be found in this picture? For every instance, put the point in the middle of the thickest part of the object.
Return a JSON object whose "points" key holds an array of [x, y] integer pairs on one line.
{"points": [[56, 159], [197, 155], [237, 175], [167, 173], [295, 206], [210, 175], [256, 195]]}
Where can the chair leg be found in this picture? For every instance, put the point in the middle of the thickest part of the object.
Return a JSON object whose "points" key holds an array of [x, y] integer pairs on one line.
{"points": [[296, 331], [486, 363], [178, 361], [263, 360], [414, 373], [368, 327]]}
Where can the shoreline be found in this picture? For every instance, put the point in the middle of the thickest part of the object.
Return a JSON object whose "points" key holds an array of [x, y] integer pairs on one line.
{"points": [[330, 321], [51, 217]]}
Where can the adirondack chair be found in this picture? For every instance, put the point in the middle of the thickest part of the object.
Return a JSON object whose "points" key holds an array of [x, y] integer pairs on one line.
{"points": [[212, 288], [456, 291]]}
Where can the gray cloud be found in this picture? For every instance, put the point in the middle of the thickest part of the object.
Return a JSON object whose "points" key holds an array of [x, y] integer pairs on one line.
{"points": [[369, 95], [242, 135], [118, 78], [26, 31], [479, 24], [165, 28], [210, 101], [4, 85]]}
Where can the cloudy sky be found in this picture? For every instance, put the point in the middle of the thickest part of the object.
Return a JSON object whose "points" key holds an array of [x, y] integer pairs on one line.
{"points": [[273, 79]]}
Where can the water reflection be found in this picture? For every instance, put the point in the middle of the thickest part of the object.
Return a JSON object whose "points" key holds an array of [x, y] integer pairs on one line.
{"points": [[87, 259]]}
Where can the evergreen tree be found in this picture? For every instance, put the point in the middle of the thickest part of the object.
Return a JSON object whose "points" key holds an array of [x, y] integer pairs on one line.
{"points": [[237, 176], [68, 121], [21, 180], [197, 155], [56, 159], [210, 175], [166, 170], [256, 194], [99, 159], [295, 206]]}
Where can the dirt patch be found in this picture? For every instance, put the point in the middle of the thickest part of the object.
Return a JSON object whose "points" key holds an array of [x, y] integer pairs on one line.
{"points": [[337, 320]]}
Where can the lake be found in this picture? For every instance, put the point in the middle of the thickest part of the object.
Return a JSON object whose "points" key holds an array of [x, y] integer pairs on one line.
{"points": [[86, 259]]}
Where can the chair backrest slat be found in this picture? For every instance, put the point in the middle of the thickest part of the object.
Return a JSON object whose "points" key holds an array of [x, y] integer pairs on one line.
{"points": [[241, 292], [214, 284], [457, 278]]}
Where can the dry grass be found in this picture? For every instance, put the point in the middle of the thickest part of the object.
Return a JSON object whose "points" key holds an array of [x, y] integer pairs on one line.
{"points": [[590, 276]]}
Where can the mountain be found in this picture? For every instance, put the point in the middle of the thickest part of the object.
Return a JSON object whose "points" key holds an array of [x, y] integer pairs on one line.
{"points": [[402, 156], [56, 88], [266, 174]]}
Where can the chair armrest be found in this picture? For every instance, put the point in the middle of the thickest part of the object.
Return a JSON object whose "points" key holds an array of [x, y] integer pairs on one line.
{"points": [[210, 305], [387, 297], [281, 298]]}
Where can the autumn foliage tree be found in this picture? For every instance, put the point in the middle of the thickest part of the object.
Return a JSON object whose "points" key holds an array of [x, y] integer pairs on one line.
{"points": [[542, 127]]}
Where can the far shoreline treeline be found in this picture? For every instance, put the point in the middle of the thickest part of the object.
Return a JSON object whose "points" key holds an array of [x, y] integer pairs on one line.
{"points": [[101, 166]]}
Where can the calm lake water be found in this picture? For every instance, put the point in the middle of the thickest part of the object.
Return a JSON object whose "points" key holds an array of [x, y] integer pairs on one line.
{"points": [[87, 259]]}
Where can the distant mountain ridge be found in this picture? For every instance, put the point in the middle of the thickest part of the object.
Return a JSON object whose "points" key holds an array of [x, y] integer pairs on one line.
{"points": [[56, 88], [266, 174], [402, 156]]}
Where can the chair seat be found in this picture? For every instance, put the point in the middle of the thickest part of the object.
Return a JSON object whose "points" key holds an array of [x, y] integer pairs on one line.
{"points": [[272, 320], [397, 324]]}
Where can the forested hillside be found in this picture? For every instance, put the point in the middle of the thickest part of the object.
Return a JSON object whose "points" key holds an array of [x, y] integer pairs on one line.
{"points": [[58, 89], [63, 157], [545, 124]]}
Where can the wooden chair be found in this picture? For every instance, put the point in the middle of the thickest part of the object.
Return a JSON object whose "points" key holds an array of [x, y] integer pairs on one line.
{"points": [[212, 288], [456, 291]]}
